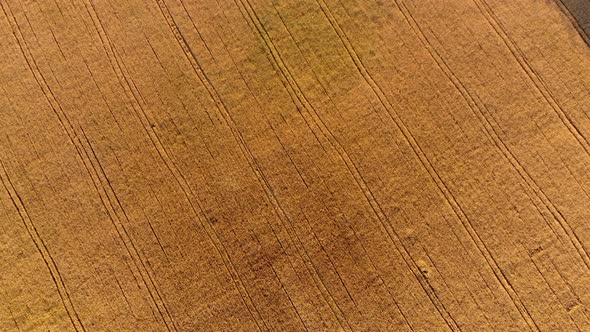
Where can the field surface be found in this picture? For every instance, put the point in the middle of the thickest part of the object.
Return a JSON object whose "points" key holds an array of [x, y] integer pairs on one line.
{"points": [[304, 165]]}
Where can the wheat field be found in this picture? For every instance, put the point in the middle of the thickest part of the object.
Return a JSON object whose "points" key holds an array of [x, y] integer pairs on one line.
{"points": [[294, 165]]}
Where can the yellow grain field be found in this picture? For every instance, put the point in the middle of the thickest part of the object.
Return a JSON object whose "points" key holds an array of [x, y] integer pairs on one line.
{"points": [[294, 165]]}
